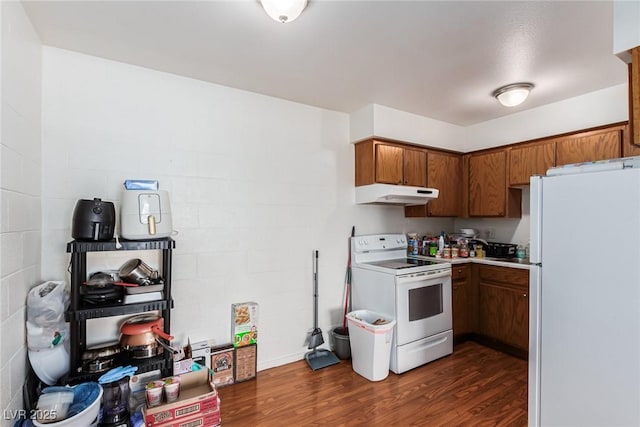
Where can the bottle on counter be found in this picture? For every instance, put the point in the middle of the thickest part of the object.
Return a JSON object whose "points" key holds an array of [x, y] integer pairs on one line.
{"points": [[520, 253], [433, 247], [441, 243], [464, 249]]}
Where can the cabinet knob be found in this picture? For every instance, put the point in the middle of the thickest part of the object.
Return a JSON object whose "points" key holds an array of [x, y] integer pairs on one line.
{"points": [[524, 295]]}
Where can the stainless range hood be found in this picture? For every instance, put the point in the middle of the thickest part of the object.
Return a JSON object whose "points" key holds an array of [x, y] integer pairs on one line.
{"points": [[388, 194]]}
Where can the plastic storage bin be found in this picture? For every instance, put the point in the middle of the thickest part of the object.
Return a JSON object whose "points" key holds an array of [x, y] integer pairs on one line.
{"points": [[370, 343]]}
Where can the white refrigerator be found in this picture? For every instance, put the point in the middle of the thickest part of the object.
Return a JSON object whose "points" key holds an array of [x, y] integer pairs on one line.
{"points": [[584, 333]]}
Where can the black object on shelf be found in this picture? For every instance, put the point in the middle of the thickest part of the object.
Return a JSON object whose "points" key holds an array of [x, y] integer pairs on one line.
{"points": [[79, 311]]}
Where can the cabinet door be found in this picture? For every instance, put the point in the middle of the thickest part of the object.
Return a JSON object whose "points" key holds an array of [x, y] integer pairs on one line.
{"points": [[592, 146], [444, 172], [389, 164], [487, 184], [460, 301], [503, 314], [415, 167], [530, 159]]}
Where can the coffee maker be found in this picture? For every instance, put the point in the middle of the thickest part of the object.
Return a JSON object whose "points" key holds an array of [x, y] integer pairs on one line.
{"points": [[115, 404]]}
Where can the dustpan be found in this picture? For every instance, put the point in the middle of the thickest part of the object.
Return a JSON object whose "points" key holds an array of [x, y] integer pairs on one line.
{"points": [[318, 359]]}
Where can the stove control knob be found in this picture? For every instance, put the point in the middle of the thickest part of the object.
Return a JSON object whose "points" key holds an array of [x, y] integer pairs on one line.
{"points": [[366, 242]]}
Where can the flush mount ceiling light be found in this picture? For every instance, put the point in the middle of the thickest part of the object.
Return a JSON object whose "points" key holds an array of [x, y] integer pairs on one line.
{"points": [[284, 10], [513, 94]]}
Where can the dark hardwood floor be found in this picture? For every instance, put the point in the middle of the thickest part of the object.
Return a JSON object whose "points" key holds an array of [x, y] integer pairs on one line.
{"points": [[475, 386]]}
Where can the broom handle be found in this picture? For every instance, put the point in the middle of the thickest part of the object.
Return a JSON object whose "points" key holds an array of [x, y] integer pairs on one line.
{"points": [[315, 290]]}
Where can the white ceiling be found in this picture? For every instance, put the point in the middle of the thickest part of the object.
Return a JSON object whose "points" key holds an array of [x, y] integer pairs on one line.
{"points": [[436, 59]]}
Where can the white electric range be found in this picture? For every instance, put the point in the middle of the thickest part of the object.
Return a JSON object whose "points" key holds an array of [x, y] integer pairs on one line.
{"points": [[414, 292]]}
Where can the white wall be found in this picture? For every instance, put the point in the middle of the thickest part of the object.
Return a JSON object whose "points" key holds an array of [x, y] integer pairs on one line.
{"points": [[593, 109], [20, 192], [605, 106], [256, 184], [384, 122]]}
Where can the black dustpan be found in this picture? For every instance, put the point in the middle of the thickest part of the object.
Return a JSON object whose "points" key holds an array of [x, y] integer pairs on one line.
{"points": [[318, 358]]}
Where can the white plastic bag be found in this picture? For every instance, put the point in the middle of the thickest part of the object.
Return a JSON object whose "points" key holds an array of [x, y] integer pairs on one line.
{"points": [[46, 305]]}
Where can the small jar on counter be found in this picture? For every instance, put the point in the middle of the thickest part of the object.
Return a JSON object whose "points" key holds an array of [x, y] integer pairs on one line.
{"points": [[446, 252]]}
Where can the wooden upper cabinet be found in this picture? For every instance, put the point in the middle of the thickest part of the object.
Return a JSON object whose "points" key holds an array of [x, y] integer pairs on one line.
{"points": [[530, 159], [589, 146], [389, 163], [415, 167], [443, 173], [487, 190]]}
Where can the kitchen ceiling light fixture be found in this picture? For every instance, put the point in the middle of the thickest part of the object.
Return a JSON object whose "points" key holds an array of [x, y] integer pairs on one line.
{"points": [[513, 94], [284, 10]]}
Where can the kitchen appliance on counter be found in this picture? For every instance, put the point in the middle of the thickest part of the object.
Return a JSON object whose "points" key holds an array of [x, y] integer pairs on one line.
{"points": [[93, 220], [500, 250], [584, 333], [145, 214], [414, 292]]}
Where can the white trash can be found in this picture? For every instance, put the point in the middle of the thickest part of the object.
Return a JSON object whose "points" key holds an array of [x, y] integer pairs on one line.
{"points": [[370, 343]]}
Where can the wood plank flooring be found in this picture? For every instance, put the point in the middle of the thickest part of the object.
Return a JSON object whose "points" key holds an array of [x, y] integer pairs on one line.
{"points": [[475, 386]]}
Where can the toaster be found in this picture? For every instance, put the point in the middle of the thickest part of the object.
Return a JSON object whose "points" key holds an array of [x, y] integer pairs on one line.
{"points": [[145, 214]]}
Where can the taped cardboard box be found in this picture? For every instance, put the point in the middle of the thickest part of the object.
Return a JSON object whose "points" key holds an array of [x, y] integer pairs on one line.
{"points": [[222, 362], [197, 395], [244, 323]]}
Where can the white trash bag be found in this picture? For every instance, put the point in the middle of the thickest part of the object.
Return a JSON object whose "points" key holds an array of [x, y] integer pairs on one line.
{"points": [[46, 305]]}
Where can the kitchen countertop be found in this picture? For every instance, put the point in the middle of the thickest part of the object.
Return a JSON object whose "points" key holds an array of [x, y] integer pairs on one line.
{"points": [[522, 264]]}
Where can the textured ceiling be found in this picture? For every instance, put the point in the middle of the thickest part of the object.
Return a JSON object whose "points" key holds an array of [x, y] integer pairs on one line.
{"points": [[437, 59]]}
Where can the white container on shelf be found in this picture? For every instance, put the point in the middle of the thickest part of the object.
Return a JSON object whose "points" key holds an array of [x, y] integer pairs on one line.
{"points": [[370, 344]]}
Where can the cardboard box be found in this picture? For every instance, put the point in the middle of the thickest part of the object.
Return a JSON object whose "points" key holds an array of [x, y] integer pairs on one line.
{"points": [[222, 362], [244, 323], [197, 395], [246, 362], [137, 387], [203, 419]]}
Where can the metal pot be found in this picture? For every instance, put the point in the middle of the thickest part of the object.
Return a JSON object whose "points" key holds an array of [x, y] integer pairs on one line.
{"points": [[136, 271], [142, 332]]}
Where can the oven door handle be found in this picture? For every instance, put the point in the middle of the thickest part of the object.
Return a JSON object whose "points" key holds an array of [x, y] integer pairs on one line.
{"points": [[423, 277]]}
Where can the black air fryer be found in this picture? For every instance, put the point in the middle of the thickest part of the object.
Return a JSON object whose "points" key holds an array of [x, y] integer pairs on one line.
{"points": [[93, 220]]}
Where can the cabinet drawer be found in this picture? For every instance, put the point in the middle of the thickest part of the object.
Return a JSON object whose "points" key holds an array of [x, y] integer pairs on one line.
{"points": [[505, 275], [459, 272]]}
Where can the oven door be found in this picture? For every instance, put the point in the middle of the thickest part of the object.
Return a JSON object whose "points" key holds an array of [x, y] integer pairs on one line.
{"points": [[423, 305]]}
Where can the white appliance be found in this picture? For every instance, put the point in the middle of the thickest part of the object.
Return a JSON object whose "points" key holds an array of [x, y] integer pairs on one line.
{"points": [[390, 194], [584, 334], [414, 292], [145, 214]]}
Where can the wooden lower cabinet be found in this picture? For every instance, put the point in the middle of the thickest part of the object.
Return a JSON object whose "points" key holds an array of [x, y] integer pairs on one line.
{"points": [[503, 305], [461, 300]]}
